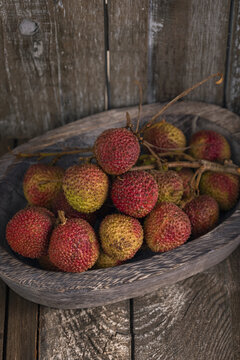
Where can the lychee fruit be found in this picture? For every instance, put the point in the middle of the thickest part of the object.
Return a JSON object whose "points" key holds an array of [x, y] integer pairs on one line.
{"points": [[170, 186], [166, 227], [42, 183], [85, 187], [60, 204], [106, 261], [186, 174], [121, 236], [165, 136], [135, 193], [116, 150], [209, 145], [203, 212], [73, 246], [223, 187], [29, 230]]}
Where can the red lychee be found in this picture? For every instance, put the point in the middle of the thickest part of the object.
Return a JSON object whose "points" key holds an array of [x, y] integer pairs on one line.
{"points": [[135, 193], [203, 212], [166, 227], [42, 183], [116, 150], [73, 246], [209, 145], [29, 230], [224, 188]]}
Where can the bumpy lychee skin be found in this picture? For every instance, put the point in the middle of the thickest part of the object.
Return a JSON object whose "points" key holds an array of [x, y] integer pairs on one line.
{"points": [[73, 246], [203, 212], [166, 227], [42, 183], [186, 175], [106, 261], [116, 150], [135, 193], [224, 188], [209, 145], [29, 230], [170, 186], [85, 187], [121, 236], [60, 203], [164, 136]]}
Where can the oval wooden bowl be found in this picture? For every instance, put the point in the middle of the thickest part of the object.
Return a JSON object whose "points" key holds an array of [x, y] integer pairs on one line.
{"points": [[142, 275]]}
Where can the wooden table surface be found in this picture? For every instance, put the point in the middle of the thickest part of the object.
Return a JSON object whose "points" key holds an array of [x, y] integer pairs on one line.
{"points": [[197, 318]]}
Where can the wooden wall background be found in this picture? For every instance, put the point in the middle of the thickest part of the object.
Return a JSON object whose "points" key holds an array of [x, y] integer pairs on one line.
{"points": [[62, 60]]}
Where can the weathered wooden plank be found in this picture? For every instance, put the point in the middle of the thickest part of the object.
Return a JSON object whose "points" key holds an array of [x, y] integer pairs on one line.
{"points": [[233, 83], [187, 42], [102, 333], [232, 277], [53, 65], [2, 315], [189, 320], [128, 36], [22, 329]]}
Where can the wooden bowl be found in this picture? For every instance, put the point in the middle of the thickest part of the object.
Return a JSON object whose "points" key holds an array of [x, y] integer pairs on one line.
{"points": [[141, 275]]}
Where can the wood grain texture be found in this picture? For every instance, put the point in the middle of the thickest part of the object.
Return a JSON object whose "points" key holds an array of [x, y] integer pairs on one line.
{"points": [[22, 329], [233, 84], [98, 287], [188, 320], [128, 37], [102, 333], [187, 42], [232, 278], [53, 65], [2, 315]]}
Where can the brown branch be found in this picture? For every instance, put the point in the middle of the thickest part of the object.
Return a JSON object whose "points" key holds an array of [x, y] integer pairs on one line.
{"points": [[158, 160], [184, 93], [58, 154], [207, 165]]}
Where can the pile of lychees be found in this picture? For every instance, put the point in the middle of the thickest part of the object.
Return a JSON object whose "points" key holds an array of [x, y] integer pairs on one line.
{"points": [[100, 213]]}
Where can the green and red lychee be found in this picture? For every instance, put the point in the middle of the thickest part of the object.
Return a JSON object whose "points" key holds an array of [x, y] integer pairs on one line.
{"points": [[170, 186], [85, 187], [121, 236], [209, 145], [165, 137], [135, 193], [29, 230], [203, 212], [166, 227], [223, 187], [60, 204], [73, 246], [42, 183], [106, 261], [116, 150]]}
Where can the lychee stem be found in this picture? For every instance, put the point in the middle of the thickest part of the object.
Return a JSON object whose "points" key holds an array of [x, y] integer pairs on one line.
{"points": [[204, 164], [158, 160], [62, 217], [58, 154], [184, 93]]}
